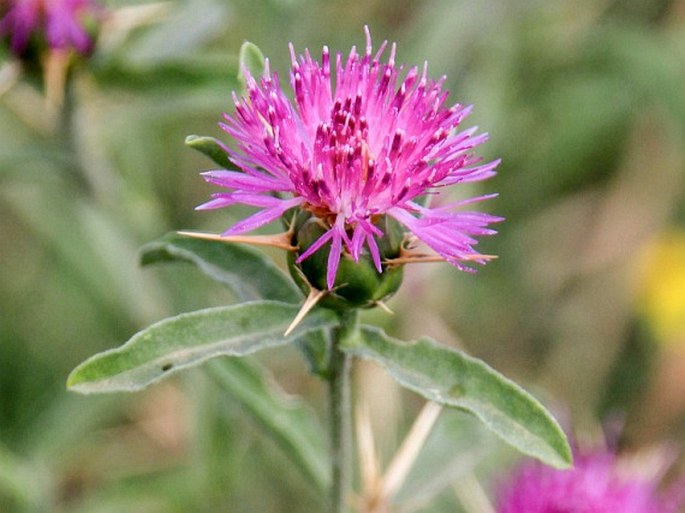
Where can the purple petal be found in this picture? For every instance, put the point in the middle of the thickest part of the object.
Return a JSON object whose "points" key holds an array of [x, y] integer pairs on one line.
{"points": [[333, 258], [262, 217], [237, 180], [315, 246]]}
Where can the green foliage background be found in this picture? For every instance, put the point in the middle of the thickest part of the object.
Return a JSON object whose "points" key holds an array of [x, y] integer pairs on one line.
{"points": [[583, 101]]}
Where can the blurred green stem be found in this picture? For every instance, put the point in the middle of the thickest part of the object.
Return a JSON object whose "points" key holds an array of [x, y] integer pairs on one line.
{"points": [[68, 140], [340, 412]]}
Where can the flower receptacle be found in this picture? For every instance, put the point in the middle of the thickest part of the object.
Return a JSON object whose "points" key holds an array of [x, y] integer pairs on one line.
{"points": [[358, 284]]}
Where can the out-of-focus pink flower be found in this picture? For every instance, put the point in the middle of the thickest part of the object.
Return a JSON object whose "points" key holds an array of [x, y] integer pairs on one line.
{"points": [[597, 484], [61, 23], [361, 140]]}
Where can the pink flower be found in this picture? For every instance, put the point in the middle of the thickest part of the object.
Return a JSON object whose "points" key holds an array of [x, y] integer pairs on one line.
{"points": [[597, 484], [59, 22], [362, 139]]}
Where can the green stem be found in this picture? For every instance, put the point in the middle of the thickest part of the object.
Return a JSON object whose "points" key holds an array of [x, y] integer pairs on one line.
{"points": [[68, 139], [340, 413]]}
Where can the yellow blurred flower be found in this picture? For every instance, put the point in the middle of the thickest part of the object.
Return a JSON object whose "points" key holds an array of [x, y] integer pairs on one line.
{"points": [[661, 298]]}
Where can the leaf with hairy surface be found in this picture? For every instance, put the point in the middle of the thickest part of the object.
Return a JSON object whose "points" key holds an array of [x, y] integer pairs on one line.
{"points": [[450, 377], [189, 339]]}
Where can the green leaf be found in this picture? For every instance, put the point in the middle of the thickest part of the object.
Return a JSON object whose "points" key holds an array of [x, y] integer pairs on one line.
{"points": [[189, 339], [212, 148], [252, 60], [452, 378], [290, 423], [247, 272]]}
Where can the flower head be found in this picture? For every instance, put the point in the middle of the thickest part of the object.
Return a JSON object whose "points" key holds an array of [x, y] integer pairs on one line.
{"points": [[361, 140], [597, 484], [61, 23]]}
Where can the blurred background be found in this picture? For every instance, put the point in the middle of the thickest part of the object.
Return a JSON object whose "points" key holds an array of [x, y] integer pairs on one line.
{"points": [[583, 101]]}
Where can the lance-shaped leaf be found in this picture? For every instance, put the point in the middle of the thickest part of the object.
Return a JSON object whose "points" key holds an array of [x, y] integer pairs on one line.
{"points": [[189, 339], [212, 148], [452, 378], [246, 271], [291, 424]]}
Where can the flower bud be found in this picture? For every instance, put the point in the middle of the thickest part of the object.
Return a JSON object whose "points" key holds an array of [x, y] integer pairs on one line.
{"points": [[357, 284]]}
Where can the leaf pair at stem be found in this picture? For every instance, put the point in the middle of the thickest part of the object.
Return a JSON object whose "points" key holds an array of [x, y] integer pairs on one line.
{"points": [[270, 301]]}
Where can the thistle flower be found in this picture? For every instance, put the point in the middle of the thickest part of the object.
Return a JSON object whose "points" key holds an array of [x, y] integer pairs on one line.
{"points": [[61, 23], [597, 484], [362, 140]]}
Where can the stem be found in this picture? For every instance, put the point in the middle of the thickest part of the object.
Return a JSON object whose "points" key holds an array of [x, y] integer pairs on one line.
{"points": [[68, 139], [340, 412]]}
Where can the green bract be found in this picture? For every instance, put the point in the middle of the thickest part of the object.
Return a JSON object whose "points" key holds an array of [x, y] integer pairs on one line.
{"points": [[211, 147], [357, 284]]}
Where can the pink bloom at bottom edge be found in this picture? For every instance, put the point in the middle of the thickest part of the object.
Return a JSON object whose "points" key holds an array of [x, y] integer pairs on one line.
{"points": [[596, 484], [60, 22], [362, 139]]}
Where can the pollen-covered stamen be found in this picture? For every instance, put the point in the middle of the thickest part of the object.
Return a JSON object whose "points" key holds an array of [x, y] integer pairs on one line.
{"points": [[299, 88], [367, 164], [341, 158], [396, 143], [326, 62]]}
